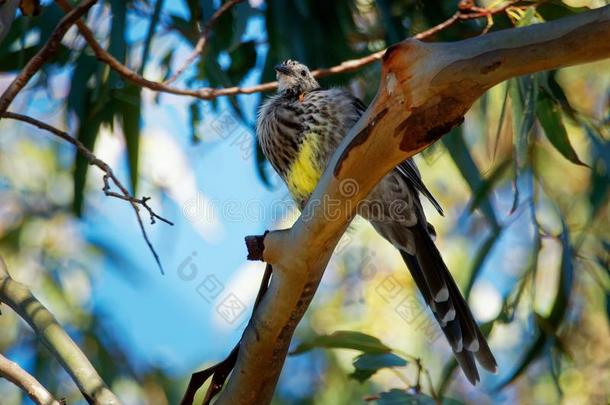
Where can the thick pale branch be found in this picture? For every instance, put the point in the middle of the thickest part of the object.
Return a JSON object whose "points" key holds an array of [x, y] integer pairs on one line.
{"points": [[425, 90], [20, 299], [24, 380]]}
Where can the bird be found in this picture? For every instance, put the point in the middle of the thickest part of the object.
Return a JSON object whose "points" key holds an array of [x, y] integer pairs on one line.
{"points": [[299, 128]]}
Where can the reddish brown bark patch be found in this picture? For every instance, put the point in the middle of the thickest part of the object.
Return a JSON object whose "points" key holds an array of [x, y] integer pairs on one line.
{"points": [[359, 139], [491, 67]]}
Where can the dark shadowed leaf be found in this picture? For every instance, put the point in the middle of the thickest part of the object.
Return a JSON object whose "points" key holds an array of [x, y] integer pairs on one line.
{"points": [[365, 365], [599, 188], [243, 59], [129, 110], [400, 397], [479, 260], [195, 115], [344, 340], [534, 351], [566, 277], [554, 88], [548, 112], [487, 185], [522, 92], [154, 21], [554, 9], [459, 152]]}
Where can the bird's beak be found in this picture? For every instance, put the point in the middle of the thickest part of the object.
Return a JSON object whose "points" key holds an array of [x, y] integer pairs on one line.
{"points": [[282, 69]]}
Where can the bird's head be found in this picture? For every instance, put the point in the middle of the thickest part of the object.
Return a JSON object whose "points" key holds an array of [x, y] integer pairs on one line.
{"points": [[294, 77]]}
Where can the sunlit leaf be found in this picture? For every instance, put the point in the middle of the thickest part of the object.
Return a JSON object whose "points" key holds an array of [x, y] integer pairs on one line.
{"points": [[344, 340]]}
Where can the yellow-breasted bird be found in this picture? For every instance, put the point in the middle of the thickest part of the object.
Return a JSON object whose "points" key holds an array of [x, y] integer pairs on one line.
{"points": [[299, 128]]}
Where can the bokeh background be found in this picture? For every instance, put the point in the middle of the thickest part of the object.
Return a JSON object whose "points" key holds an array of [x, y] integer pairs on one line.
{"points": [[524, 184]]}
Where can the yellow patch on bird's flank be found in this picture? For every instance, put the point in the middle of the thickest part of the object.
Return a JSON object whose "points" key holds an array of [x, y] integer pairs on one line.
{"points": [[304, 172]]}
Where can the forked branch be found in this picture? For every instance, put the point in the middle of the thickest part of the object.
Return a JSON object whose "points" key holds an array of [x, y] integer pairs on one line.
{"points": [[51, 334], [425, 90]]}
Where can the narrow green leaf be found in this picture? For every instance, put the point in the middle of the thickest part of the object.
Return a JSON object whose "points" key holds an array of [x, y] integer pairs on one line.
{"points": [[523, 95], [484, 189], [365, 365], [243, 59], [534, 351], [129, 110], [554, 88], [480, 258], [401, 397], [118, 45], [459, 152], [566, 277], [154, 20], [344, 340], [549, 116], [195, 116], [554, 9], [599, 188], [87, 134], [522, 92]]}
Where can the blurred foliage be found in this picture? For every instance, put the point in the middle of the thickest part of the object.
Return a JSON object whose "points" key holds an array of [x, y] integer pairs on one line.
{"points": [[534, 153]]}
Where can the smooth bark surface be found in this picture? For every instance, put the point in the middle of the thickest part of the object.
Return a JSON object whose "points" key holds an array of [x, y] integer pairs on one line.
{"points": [[425, 90]]}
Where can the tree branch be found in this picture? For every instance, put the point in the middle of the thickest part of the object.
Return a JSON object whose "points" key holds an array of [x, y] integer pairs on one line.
{"points": [[108, 176], [20, 299], [24, 380], [203, 39], [467, 11], [425, 90], [48, 50]]}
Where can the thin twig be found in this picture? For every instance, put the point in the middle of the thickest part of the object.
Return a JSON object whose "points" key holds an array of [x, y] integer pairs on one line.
{"points": [[203, 39], [210, 93], [54, 337], [93, 160], [48, 50], [24, 380], [220, 371]]}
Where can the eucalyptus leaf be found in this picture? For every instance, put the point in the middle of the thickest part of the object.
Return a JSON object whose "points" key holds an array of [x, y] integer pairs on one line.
{"points": [[344, 340], [365, 365], [548, 113]]}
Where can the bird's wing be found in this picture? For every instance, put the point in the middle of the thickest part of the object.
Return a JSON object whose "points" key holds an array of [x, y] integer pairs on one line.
{"points": [[407, 169]]}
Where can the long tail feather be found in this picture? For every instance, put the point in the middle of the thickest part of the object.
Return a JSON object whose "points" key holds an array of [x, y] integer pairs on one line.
{"points": [[451, 310]]}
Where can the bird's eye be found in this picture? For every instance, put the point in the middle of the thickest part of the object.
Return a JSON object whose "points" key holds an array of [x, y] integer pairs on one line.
{"points": [[303, 73]]}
